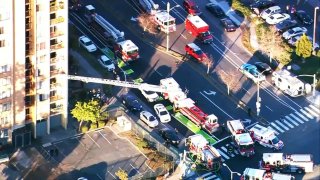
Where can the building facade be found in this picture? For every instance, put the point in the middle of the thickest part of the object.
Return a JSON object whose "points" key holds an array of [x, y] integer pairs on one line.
{"points": [[33, 69]]}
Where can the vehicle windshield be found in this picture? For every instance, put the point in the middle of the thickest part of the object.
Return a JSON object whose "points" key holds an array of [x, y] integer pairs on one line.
{"points": [[290, 31], [246, 147], [149, 92], [204, 34], [152, 118], [275, 140], [268, 11], [229, 24], [199, 52], [107, 62], [88, 43], [172, 22], [133, 52], [162, 113]]}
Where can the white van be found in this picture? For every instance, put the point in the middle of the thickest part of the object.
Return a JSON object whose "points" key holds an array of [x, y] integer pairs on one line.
{"points": [[271, 10]]}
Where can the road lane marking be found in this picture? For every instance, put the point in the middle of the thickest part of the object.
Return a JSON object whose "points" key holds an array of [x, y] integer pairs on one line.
{"points": [[292, 121], [225, 150], [135, 168], [104, 137], [307, 114], [314, 108], [216, 105], [276, 132], [269, 108], [283, 126], [311, 112], [304, 118], [223, 154], [112, 175], [286, 122], [277, 127], [211, 177], [158, 73], [296, 118], [94, 141]]}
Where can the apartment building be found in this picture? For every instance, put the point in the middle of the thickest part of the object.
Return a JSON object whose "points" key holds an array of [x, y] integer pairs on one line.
{"points": [[33, 69]]}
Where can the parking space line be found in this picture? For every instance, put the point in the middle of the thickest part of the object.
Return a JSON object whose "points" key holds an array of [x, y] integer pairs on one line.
{"points": [[93, 140], [112, 174], [135, 168], [104, 137], [82, 144], [148, 166]]}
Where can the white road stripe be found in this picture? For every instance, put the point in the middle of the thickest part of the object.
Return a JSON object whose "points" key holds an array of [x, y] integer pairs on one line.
{"points": [[276, 132], [211, 177], [304, 118], [206, 174], [314, 108], [283, 126], [225, 150], [296, 118], [286, 122], [236, 152], [277, 127], [223, 154], [311, 112], [292, 121], [307, 114]]}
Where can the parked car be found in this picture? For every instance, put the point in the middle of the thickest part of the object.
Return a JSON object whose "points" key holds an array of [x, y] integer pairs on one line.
{"points": [[131, 102], [149, 119], [194, 51], [260, 5], [294, 32], [252, 72], [277, 18], [292, 41], [150, 95], [85, 42], [106, 62], [285, 25], [191, 7], [162, 113], [269, 11], [170, 136], [264, 68], [228, 25], [215, 10], [303, 17]]}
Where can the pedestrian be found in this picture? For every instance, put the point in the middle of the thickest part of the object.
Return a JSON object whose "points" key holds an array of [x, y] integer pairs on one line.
{"points": [[287, 8]]}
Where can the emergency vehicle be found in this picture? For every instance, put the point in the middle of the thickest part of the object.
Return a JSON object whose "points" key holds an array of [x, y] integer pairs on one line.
{"points": [[299, 163], [241, 137], [266, 137], [254, 174], [187, 106], [198, 28], [194, 51], [289, 84], [202, 153], [124, 49], [191, 7], [165, 21]]}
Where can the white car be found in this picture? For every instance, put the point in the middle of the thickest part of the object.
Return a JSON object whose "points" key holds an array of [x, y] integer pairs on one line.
{"points": [[162, 113], [294, 32], [251, 71], [149, 119], [106, 63], [276, 18], [85, 42], [150, 95], [271, 10]]}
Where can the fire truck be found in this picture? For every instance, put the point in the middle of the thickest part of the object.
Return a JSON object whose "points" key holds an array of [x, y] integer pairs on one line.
{"points": [[202, 153], [254, 174], [241, 137], [187, 106], [266, 137], [289, 83], [299, 163], [124, 49], [198, 28]]}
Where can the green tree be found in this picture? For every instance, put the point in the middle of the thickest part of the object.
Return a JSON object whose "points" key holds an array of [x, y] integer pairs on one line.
{"points": [[88, 111], [304, 47], [122, 175]]}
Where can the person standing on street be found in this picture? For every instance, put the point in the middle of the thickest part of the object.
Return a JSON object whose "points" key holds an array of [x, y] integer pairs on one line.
{"points": [[287, 8]]}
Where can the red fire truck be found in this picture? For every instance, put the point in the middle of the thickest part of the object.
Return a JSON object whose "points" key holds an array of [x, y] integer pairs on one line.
{"points": [[198, 28]]}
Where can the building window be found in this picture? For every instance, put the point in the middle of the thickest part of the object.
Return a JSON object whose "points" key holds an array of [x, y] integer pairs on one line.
{"points": [[5, 81], [42, 58], [1, 30], [2, 43], [39, 72], [5, 107], [5, 94], [42, 97], [41, 46], [39, 84], [4, 68], [39, 7]]}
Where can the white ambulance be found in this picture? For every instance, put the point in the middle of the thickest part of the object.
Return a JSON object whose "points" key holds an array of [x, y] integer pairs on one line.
{"points": [[266, 137]]}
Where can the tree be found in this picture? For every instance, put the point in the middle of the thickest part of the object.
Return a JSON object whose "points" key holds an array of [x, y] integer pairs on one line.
{"points": [[122, 175], [304, 47], [209, 63], [229, 78], [88, 111]]}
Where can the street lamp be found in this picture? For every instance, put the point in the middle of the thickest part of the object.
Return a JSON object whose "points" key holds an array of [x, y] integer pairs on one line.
{"points": [[258, 103], [314, 82], [168, 10], [231, 172], [314, 26]]}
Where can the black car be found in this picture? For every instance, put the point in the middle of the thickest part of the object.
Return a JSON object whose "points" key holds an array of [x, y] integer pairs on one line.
{"points": [[131, 103], [303, 17], [170, 136], [260, 5], [263, 67], [285, 25], [228, 25], [216, 10]]}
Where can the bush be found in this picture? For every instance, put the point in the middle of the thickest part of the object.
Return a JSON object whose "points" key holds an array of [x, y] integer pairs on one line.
{"points": [[93, 126], [141, 143], [246, 39], [84, 129], [237, 5], [122, 175], [101, 124]]}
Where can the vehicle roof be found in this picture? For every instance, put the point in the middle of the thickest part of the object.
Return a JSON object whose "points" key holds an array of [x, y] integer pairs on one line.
{"points": [[128, 45], [169, 83], [248, 66], [286, 75], [193, 46], [244, 138], [163, 16], [85, 38], [257, 173], [272, 157], [278, 15], [160, 107], [274, 8], [298, 28], [262, 131], [278, 176], [104, 58], [198, 140], [236, 125], [197, 21], [147, 113], [90, 7], [300, 157]]}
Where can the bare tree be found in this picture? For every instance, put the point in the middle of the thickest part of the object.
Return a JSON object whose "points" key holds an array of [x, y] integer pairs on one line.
{"points": [[209, 63], [228, 77], [147, 23]]}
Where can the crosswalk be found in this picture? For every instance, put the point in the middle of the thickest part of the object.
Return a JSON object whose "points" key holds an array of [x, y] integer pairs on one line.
{"points": [[279, 126], [208, 176]]}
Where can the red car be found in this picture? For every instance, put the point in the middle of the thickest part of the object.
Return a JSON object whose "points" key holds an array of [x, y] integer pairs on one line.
{"points": [[194, 51], [191, 7]]}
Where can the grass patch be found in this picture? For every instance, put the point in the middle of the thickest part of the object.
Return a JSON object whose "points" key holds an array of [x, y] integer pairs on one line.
{"points": [[246, 39]]}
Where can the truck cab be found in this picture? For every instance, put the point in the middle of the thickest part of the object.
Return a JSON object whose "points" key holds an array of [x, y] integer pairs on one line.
{"points": [[199, 29], [266, 137], [127, 50], [194, 51], [191, 7]]}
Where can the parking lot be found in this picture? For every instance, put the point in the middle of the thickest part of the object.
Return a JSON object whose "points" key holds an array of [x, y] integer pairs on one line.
{"points": [[96, 155]]}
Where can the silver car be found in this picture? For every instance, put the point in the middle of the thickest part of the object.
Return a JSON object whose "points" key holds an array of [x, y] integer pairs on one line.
{"points": [[149, 119]]}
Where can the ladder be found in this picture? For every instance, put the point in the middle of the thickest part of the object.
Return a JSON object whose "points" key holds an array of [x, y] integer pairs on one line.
{"points": [[115, 33]]}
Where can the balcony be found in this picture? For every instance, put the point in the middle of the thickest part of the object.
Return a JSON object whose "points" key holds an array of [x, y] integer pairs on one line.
{"points": [[29, 101], [30, 88], [55, 98], [57, 20], [54, 7], [56, 34], [54, 85], [56, 59], [28, 117], [56, 109], [54, 72], [57, 46]]}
